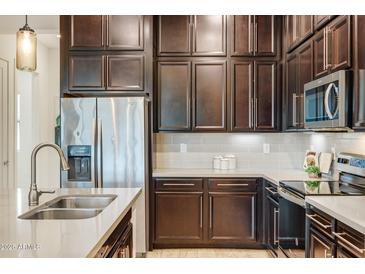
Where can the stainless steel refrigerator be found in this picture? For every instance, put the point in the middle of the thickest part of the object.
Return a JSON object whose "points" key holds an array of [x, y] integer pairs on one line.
{"points": [[106, 143]]}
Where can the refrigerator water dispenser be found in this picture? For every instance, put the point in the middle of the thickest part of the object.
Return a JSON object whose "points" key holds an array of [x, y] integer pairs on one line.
{"points": [[79, 159]]}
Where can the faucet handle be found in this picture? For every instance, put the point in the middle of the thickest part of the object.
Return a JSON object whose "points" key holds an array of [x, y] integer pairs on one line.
{"points": [[46, 191]]}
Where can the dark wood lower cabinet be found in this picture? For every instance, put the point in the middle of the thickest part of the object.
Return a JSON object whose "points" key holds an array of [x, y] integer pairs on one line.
{"points": [[321, 247], [232, 217], [205, 213]]}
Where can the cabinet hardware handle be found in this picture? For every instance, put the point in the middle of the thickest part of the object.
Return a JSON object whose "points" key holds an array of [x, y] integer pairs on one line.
{"points": [[255, 112], [201, 212], [255, 37], [339, 236], [325, 49], [210, 212], [328, 38], [232, 184], [250, 31], [312, 217], [295, 123], [171, 184], [276, 214], [272, 192]]}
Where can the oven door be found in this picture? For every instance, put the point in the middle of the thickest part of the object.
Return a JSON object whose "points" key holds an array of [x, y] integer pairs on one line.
{"points": [[321, 106], [291, 229]]}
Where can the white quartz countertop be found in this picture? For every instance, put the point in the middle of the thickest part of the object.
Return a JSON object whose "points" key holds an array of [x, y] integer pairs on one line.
{"points": [[58, 238], [346, 209], [273, 176]]}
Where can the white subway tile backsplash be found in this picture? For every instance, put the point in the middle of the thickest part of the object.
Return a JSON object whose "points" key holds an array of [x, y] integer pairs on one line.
{"points": [[286, 149]]}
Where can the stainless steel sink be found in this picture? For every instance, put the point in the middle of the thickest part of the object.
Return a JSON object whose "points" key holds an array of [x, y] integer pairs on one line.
{"points": [[70, 207], [60, 214], [94, 201]]}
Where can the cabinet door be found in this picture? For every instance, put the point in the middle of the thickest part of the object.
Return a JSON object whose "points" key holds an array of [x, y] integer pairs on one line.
{"points": [[209, 35], [242, 96], [320, 20], [319, 54], [125, 32], [87, 32], [305, 26], [265, 35], [242, 35], [272, 224], [174, 95], [339, 38], [292, 32], [232, 217], [209, 96], [265, 95], [291, 89], [320, 246], [86, 72], [305, 75], [178, 217], [126, 72], [178, 27], [359, 72]]}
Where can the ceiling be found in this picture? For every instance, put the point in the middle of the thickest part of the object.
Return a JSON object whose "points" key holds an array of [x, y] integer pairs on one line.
{"points": [[46, 27]]}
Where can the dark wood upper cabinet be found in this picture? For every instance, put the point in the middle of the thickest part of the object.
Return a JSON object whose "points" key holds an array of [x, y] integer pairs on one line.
{"points": [[359, 72], [291, 91], [265, 95], [125, 32], [319, 54], [242, 96], [298, 29], [265, 35], [305, 75], [320, 20], [125, 72], [87, 31], [174, 35], [242, 35], [86, 72], [209, 35], [305, 26], [253, 35], [209, 95], [174, 95], [299, 71], [339, 39]]}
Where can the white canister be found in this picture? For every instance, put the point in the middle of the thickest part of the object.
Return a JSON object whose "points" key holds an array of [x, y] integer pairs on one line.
{"points": [[224, 163], [232, 161], [217, 161]]}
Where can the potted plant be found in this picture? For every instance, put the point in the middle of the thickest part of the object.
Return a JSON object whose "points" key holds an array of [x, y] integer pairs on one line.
{"points": [[313, 172]]}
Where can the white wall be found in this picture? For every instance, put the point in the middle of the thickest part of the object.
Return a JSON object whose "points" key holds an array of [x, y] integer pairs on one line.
{"points": [[39, 92]]}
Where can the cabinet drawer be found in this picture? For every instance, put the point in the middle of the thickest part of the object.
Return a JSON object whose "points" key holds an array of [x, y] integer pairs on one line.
{"points": [[232, 184], [321, 222], [350, 239], [179, 184]]}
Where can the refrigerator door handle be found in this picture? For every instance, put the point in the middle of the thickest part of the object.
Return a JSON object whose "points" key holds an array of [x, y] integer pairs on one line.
{"points": [[94, 153], [99, 156]]}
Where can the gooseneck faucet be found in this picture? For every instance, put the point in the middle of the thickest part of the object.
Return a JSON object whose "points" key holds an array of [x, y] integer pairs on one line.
{"points": [[34, 194]]}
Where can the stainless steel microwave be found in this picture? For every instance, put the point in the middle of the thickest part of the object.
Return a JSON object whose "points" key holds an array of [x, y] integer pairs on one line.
{"points": [[327, 103]]}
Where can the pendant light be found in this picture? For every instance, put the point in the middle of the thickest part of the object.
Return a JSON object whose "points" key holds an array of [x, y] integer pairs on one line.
{"points": [[26, 48]]}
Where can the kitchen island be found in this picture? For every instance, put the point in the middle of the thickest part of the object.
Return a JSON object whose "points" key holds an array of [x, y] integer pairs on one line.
{"points": [[59, 238]]}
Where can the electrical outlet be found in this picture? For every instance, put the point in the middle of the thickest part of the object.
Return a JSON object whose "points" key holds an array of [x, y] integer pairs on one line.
{"points": [[183, 148], [266, 148]]}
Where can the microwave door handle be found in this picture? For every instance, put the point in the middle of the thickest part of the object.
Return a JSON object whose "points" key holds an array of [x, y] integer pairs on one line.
{"points": [[327, 98]]}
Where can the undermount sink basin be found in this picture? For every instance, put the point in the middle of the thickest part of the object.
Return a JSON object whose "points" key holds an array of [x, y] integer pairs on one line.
{"points": [[94, 201], [70, 207], [60, 214]]}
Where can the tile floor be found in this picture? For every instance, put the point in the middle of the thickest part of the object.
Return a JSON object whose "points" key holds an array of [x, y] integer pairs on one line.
{"points": [[208, 253]]}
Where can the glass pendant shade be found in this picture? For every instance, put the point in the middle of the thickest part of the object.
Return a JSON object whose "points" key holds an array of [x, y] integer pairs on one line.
{"points": [[26, 49]]}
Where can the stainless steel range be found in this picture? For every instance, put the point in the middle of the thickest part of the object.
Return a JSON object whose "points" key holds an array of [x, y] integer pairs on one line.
{"points": [[291, 236]]}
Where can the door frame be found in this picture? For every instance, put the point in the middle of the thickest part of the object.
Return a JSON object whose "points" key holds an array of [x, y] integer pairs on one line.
{"points": [[10, 135]]}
